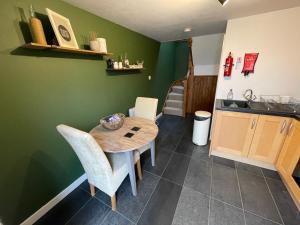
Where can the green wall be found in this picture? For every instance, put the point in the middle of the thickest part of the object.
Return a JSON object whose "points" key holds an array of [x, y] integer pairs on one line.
{"points": [[165, 68], [39, 90], [181, 59]]}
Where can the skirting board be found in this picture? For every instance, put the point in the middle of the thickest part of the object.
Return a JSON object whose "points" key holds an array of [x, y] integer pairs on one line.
{"points": [[243, 160], [159, 115], [44, 209]]}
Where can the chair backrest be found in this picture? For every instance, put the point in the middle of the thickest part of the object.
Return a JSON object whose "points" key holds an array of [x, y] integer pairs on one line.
{"points": [[90, 154], [146, 108]]}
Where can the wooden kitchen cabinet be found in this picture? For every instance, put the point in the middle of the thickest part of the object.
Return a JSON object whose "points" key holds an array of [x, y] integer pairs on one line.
{"points": [[288, 159], [233, 132], [269, 137]]}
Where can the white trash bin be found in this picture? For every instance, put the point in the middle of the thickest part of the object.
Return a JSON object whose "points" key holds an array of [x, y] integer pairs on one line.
{"points": [[201, 127]]}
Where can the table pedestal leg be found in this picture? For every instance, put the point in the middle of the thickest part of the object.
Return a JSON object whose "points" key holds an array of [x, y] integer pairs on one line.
{"points": [[152, 144], [130, 165]]}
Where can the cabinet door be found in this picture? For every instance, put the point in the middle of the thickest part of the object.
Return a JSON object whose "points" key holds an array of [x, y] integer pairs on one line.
{"points": [[288, 159], [269, 137], [233, 132]]}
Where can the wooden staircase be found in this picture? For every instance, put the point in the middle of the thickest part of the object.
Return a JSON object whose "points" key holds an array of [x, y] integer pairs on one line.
{"points": [[174, 101], [179, 98]]}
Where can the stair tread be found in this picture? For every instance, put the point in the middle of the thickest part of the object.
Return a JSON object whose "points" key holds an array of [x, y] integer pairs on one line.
{"points": [[173, 108], [175, 93], [178, 87], [172, 100]]}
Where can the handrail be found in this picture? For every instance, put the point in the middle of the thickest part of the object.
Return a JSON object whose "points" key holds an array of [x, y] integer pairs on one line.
{"points": [[184, 97], [190, 78]]}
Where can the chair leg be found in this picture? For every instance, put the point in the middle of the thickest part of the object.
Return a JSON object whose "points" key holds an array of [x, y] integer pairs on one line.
{"points": [[92, 188], [139, 169], [113, 202], [152, 144]]}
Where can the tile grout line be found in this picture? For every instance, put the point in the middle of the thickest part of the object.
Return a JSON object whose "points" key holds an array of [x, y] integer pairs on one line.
{"points": [[182, 154], [261, 176], [242, 209], [104, 218], [124, 217], [160, 177], [273, 200], [78, 210], [210, 191], [187, 168], [166, 179], [182, 186], [151, 173], [103, 202], [169, 160], [116, 210], [226, 203], [148, 201], [240, 192], [167, 164], [177, 204], [236, 207], [262, 217], [190, 158], [109, 206]]}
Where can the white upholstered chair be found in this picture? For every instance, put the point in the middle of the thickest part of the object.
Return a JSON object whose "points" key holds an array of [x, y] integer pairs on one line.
{"points": [[104, 171], [146, 108]]}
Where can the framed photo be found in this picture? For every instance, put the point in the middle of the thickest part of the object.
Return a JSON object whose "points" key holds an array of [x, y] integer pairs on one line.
{"points": [[62, 29]]}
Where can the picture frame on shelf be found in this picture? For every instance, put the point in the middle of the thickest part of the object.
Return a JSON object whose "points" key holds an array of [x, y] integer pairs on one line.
{"points": [[62, 29]]}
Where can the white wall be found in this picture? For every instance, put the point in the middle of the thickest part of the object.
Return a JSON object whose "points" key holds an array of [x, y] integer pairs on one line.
{"points": [[276, 36], [206, 54]]}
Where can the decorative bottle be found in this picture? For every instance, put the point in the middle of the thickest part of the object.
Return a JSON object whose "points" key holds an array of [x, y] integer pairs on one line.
{"points": [[126, 61], [36, 28], [230, 95]]}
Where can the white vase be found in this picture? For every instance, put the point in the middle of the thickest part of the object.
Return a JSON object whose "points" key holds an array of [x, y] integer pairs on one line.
{"points": [[102, 45], [116, 65], [94, 46]]}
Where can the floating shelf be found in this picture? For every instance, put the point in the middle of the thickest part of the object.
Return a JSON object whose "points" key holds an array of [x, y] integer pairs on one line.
{"points": [[63, 49], [126, 69]]}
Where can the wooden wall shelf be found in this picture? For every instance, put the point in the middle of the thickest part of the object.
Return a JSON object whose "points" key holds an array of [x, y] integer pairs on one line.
{"points": [[63, 49], [126, 69]]}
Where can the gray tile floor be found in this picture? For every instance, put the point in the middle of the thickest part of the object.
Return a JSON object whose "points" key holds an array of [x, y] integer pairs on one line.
{"points": [[186, 187]]}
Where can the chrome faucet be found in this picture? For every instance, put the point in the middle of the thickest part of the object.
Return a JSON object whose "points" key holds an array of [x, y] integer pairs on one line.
{"points": [[249, 96]]}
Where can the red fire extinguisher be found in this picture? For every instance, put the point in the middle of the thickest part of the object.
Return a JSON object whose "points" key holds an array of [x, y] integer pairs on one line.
{"points": [[228, 66]]}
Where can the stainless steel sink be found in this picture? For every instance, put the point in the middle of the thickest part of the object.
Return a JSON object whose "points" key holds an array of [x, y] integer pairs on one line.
{"points": [[235, 104]]}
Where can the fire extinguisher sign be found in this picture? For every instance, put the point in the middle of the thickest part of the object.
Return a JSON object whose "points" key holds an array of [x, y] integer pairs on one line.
{"points": [[249, 63]]}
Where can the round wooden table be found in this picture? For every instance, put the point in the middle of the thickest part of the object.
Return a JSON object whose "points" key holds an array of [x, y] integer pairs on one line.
{"points": [[142, 132]]}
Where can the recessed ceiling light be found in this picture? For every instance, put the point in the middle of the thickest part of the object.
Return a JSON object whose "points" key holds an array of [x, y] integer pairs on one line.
{"points": [[187, 29], [223, 2]]}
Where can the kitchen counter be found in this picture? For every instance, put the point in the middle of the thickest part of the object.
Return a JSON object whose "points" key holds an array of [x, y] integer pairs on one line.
{"points": [[275, 109]]}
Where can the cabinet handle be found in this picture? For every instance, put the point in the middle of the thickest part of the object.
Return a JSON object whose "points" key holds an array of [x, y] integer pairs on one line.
{"points": [[290, 128], [253, 124], [283, 127]]}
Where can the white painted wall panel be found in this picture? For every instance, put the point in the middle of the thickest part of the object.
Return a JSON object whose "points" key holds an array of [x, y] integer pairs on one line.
{"points": [[276, 36], [206, 54]]}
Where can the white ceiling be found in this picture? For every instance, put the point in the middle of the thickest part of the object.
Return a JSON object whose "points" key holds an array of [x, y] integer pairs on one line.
{"points": [[165, 20]]}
